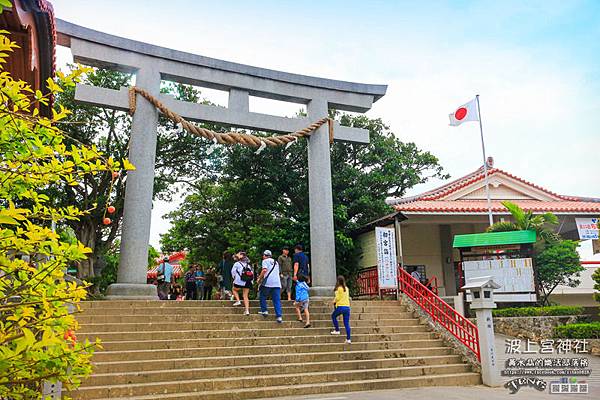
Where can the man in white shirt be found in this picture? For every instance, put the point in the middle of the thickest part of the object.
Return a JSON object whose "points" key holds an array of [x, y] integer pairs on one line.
{"points": [[270, 285]]}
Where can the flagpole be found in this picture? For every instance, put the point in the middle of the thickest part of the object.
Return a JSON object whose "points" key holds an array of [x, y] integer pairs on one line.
{"points": [[485, 168]]}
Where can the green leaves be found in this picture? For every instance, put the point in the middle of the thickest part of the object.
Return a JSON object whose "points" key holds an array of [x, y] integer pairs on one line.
{"points": [[558, 264], [526, 220], [33, 292]]}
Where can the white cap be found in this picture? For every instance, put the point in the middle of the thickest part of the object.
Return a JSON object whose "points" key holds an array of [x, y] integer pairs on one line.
{"points": [[267, 253]]}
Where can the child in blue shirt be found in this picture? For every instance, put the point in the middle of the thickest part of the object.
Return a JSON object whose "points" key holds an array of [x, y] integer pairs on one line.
{"points": [[302, 299]]}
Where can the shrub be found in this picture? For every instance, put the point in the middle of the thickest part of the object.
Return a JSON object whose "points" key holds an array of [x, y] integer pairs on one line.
{"points": [[589, 330], [537, 311], [37, 327]]}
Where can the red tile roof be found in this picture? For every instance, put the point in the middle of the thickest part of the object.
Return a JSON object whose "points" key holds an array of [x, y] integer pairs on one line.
{"points": [[434, 201], [470, 179], [480, 206]]}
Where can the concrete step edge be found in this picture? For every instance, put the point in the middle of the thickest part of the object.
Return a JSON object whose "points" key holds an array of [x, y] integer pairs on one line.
{"points": [[266, 347], [360, 335], [283, 376], [324, 363], [283, 389], [272, 355]]}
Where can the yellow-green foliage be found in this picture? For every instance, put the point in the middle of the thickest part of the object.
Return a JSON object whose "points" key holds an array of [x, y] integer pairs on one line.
{"points": [[37, 340]]}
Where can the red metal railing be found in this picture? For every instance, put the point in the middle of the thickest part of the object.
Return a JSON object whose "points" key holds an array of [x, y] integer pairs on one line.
{"points": [[440, 311], [431, 284], [368, 282]]}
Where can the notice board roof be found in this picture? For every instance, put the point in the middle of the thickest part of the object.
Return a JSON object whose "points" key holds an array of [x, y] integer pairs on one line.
{"points": [[494, 239]]}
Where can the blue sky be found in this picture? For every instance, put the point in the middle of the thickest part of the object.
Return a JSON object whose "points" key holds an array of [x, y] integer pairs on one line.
{"points": [[536, 67]]}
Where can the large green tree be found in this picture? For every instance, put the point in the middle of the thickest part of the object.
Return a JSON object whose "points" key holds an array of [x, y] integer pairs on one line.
{"points": [[261, 201], [180, 158], [557, 264]]}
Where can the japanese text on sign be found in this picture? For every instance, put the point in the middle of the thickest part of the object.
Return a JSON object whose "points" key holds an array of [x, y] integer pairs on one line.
{"points": [[386, 258]]}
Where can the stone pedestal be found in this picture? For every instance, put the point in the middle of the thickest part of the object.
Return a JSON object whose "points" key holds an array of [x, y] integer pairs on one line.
{"points": [[490, 374], [131, 291]]}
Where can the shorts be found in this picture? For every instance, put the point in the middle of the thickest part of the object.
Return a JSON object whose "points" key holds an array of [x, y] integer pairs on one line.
{"points": [[248, 285], [286, 283], [303, 304]]}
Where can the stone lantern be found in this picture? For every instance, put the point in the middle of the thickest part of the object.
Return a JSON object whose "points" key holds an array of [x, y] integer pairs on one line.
{"points": [[482, 301]]}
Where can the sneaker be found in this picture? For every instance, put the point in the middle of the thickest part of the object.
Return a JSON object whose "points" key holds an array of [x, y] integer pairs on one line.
{"points": [[246, 312], [307, 326], [264, 313], [237, 303], [279, 320], [334, 332], [348, 341]]}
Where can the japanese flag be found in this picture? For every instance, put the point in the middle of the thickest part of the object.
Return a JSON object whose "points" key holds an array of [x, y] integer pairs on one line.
{"points": [[464, 113]]}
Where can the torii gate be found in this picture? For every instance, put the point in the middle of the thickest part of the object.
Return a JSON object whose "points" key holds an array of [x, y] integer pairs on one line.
{"points": [[152, 63]]}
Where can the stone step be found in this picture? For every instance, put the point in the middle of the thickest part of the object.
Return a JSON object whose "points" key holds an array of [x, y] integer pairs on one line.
{"points": [[122, 378], [247, 350], [131, 304], [234, 384], [256, 341], [127, 318], [274, 331], [124, 365], [458, 379], [239, 310], [242, 324]]}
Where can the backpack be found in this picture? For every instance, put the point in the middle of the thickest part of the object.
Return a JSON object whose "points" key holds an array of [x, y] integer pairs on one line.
{"points": [[247, 274]]}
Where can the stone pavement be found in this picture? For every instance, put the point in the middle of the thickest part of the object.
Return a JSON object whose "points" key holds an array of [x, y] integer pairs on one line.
{"points": [[474, 392], [445, 393]]}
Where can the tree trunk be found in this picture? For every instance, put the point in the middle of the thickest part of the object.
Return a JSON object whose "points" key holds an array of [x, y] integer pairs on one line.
{"points": [[87, 236]]}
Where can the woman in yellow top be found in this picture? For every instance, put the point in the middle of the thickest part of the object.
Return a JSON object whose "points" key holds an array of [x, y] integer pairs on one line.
{"points": [[341, 305]]}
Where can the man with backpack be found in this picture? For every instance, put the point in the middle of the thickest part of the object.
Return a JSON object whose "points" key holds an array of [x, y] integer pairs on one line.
{"points": [[242, 279], [270, 285]]}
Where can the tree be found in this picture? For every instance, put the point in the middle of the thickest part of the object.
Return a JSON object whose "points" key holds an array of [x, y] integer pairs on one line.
{"points": [[180, 158], [37, 340], [526, 220], [557, 264], [261, 201]]}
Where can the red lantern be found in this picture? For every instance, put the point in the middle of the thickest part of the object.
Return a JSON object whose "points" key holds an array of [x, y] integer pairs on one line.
{"points": [[106, 221], [111, 209]]}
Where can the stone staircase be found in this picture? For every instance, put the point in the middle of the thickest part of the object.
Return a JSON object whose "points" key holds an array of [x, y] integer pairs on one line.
{"points": [[209, 350]]}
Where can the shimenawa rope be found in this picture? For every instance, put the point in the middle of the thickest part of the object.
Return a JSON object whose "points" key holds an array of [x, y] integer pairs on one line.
{"points": [[229, 137]]}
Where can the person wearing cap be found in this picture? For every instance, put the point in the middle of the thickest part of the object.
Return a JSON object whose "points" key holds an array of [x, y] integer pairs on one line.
{"points": [[269, 284], [285, 264]]}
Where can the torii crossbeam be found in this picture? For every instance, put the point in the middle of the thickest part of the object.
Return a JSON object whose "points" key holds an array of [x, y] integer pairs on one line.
{"points": [[151, 64]]}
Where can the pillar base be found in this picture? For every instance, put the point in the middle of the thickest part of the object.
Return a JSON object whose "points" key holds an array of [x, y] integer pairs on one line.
{"points": [[131, 291], [321, 292]]}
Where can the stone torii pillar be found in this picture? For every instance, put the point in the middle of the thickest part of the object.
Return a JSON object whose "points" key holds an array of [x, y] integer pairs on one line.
{"points": [[151, 64]]}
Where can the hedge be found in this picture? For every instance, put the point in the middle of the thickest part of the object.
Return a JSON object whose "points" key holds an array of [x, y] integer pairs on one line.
{"points": [[589, 330], [537, 311]]}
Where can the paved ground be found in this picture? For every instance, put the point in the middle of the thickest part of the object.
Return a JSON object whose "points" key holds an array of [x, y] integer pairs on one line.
{"points": [[474, 392], [445, 393]]}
